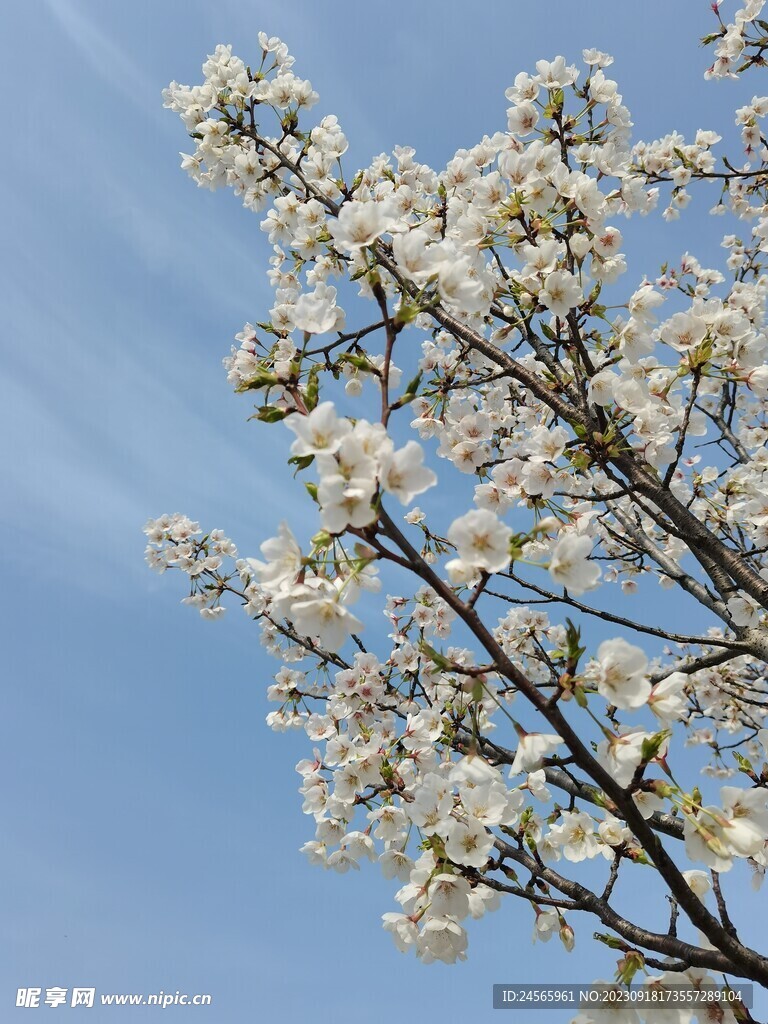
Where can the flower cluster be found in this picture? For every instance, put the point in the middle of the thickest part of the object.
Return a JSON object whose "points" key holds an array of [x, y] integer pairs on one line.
{"points": [[735, 41], [608, 437], [353, 461]]}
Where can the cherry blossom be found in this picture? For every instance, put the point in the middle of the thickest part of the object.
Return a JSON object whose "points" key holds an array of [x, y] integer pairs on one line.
{"points": [[561, 293], [522, 705], [621, 674], [570, 566], [481, 540]]}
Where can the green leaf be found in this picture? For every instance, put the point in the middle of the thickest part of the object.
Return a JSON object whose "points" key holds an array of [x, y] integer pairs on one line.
{"points": [[321, 540], [260, 379], [301, 462], [653, 745], [312, 390], [478, 691], [629, 965], [359, 362], [435, 656], [406, 313], [271, 414], [547, 331], [580, 696], [414, 384]]}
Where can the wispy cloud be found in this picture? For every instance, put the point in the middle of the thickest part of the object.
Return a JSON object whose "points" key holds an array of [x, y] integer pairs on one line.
{"points": [[108, 59], [99, 434]]}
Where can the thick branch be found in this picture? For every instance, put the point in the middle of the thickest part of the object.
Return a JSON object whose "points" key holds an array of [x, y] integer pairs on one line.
{"points": [[742, 960]]}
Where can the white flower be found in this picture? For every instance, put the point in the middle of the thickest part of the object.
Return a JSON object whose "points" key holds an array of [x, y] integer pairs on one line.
{"points": [[212, 613], [284, 561], [442, 938], [561, 293], [482, 899], [547, 923], [592, 56], [745, 830], [316, 610], [460, 286], [414, 255], [345, 502], [569, 565], [481, 540], [536, 785], [667, 699], [316, 853], [643, 302], [743, 612], [486, 803], [757, 381], [647, 802], [531, 748], [704, 841], [612, 831], [621, 677], [359, 224], [358, 845], [472, 768], [698, 881], [316, 312], [601, 388], [404, 474], [575, 835], [683, 331], [449, 896], [523, 118], [341, 861], [553, 74], [396, 864], [664, 1012], [621, 755], [468, 842], [431, 805], [391, 822], [460, 573], [525, 88], [402, 929], [320, 432]]}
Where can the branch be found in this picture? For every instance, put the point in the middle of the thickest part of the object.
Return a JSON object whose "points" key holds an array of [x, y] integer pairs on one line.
{"points": [[668, 945], [741, 960]]}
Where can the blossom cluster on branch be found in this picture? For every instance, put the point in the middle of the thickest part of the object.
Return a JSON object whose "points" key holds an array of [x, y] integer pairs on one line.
{"points": [[609, 437]]}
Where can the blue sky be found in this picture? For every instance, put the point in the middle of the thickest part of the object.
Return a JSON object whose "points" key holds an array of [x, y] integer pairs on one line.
{"points": [[151, 821]]}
